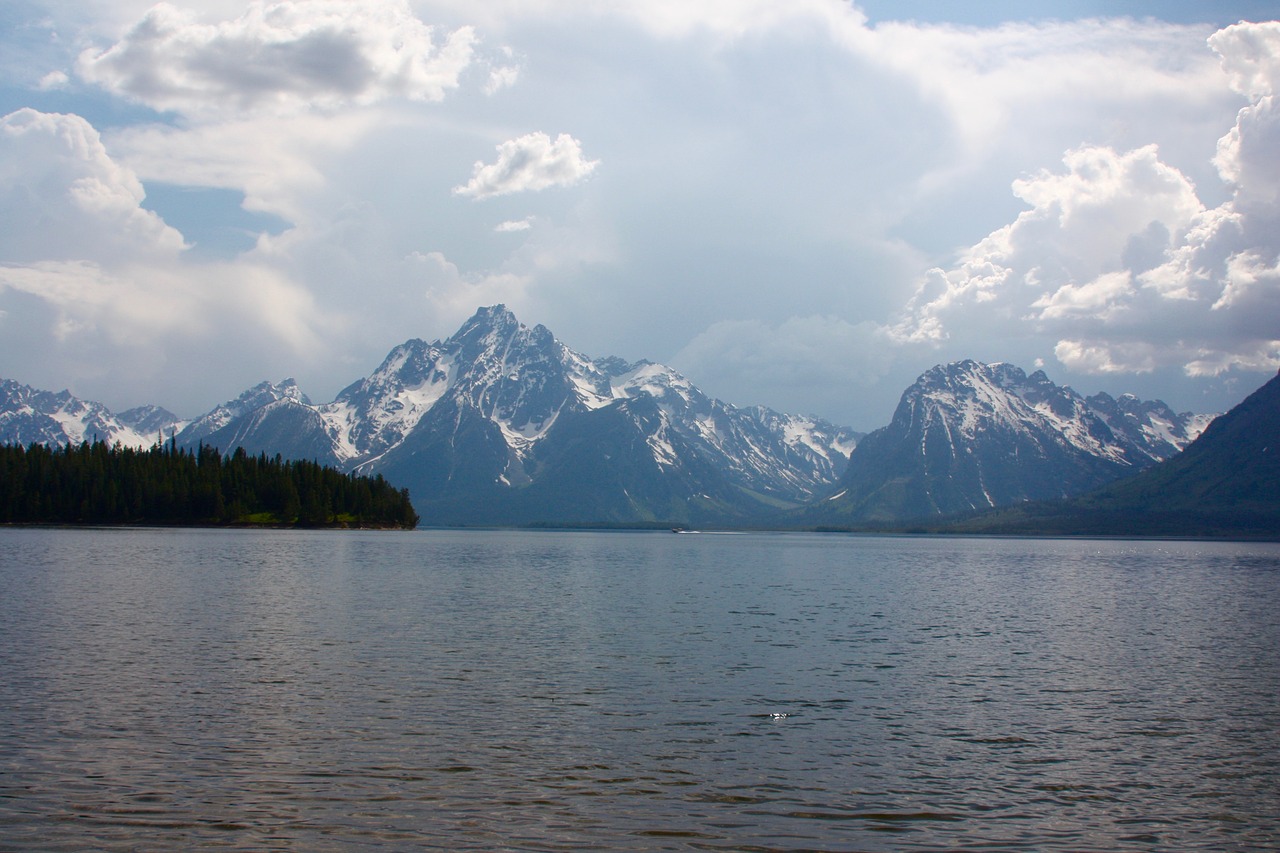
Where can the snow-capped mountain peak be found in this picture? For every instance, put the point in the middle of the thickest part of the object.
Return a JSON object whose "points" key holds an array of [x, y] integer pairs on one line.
{"points": [[499, 408], [255, 398], [968, 435], [28, 416], [375, 413]]}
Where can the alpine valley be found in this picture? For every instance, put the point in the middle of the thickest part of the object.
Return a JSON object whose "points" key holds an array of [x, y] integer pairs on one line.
{"points": [[502, 424]]}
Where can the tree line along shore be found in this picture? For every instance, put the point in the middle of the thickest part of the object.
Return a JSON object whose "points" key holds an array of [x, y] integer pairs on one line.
{"points": [[93, 483]]}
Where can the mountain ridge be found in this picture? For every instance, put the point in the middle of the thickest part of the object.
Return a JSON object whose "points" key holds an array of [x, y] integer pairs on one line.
{"points": [[968, 436], [484, 426], [1225, 483], [503, 424]]}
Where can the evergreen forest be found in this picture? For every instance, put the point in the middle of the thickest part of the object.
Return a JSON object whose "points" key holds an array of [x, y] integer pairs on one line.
{"points": [[100, 484]]}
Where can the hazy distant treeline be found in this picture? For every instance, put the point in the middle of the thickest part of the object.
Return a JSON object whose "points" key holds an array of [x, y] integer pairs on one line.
{"points": [[100, 484]]}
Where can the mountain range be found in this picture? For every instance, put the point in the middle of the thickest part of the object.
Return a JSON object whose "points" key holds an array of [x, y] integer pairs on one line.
{"points": [[28, 416], [1226, 482], [502, 424], [970, 436]]}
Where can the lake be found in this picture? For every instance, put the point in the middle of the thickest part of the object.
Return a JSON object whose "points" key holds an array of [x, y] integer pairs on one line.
{"points": [[502, 690]]}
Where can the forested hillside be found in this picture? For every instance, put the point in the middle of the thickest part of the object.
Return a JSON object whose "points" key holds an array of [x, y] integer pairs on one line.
{"points": [[100, 484]]}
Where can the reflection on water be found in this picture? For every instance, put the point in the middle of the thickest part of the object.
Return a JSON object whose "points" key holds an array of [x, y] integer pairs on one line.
{"points": [[569, 691]]}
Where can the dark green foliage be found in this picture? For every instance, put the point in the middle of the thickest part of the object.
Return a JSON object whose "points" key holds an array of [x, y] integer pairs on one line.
{"points": [[97, 484]]}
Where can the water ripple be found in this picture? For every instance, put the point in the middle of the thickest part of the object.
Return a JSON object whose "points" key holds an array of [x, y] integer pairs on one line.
{"points": [[566, 691]]}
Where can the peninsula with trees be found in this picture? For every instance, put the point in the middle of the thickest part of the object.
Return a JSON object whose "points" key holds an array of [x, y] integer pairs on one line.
{"points": [[94, 483]]}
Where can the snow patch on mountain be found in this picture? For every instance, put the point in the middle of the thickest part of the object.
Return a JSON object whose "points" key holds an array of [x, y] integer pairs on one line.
{"points": [[28, 416], [968, 436], [378, 412], [262, 394]]}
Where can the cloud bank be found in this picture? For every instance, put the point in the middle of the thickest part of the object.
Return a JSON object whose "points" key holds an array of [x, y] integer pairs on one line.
{"points": [[105, 281], [791, 205], [1120, 264]]}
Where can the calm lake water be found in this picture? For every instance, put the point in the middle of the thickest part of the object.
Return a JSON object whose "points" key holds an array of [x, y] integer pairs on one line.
{"points": [[166, 690]]}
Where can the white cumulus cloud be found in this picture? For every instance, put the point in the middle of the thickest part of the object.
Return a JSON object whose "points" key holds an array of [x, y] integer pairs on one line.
{"points": [[512, 226], [95, 287], [62, 197], [1249, 155], [530, 163], [1120, 265], [281, 57], [1251, 56], [1073, 249]]}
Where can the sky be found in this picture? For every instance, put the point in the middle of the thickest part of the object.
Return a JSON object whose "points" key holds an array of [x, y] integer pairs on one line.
{"points": [[803, 204]]}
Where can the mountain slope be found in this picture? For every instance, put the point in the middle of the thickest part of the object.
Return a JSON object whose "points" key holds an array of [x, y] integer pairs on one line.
{"points": [[504, 424], [1226, 482], [224, 416], [1233, 466], [968, 436], [29, 416]]}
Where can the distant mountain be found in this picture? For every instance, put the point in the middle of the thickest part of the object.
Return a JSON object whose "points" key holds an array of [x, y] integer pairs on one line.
{"points": [[152, 421], [216, 421], [504, 424], [28, 416], [1226, 482], [969, 436]]}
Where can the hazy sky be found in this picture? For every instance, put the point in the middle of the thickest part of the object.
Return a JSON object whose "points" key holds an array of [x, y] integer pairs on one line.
{"points": [[799, 203]]}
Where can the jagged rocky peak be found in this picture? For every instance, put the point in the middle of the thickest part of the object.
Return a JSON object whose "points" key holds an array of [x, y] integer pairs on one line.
{"points": [[409, 366], [614, 366], [517, 375], [493, 337], [29, 415], [268, 392], [1164, 431], [491, 321], [14, 392], [965, 377], [667, 386], [489, 334], [261, 395], [373, 413], [962, 378], [968, 390], [968, 435], [150, 419], [413, 362]]}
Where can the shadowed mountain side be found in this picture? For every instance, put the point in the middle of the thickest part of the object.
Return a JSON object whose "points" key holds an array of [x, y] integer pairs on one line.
{"points": [[597, 467], [1226, 483], [968, 436], [283, 423], [502, 424]]}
